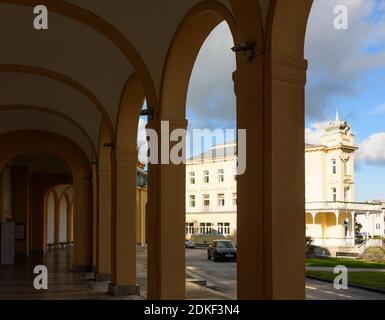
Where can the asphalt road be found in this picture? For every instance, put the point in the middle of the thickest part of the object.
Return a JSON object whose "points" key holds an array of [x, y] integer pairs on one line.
{"points": [[222, 275]]}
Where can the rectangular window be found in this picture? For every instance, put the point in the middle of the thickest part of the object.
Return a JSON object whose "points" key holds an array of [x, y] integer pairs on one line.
{"points": [[334, 166], [221, 199], [189, 227], [206, 176], [224, 228], [205, 228], [234, 199], [206, 201], [192, 201], [221, 175], [192, 177], [334, 194]]}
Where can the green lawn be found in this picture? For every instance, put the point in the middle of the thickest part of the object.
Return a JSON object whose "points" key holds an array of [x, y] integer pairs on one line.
{"points": [[349, 263], [367, 279]]}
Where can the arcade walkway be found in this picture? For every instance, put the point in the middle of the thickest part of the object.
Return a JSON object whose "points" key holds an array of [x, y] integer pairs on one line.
{"points": [[16, 281]]}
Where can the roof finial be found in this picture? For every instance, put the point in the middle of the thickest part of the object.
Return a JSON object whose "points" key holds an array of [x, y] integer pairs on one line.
{"points": [[337, 116]]}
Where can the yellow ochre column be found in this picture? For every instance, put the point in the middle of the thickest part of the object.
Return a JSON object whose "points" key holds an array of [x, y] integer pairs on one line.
{"points": [[166, 219], [82, 261], [123, 222]]}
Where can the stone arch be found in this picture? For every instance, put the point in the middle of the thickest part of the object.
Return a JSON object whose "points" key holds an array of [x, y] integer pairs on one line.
{"points": [[24, 141], [166, 276], [104, 205], [106, 29], [63, 205], [124, 158], [309, 218], [54, 113], [50, 201], [131, 102], [250, 23], [327, 221], [29, 141], [183, 51], [286, 29], [66, 80]]}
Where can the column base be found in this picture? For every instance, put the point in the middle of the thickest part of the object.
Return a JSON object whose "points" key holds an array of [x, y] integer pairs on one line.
{"points": [[102, 276], [115, 290], [81, 269]]}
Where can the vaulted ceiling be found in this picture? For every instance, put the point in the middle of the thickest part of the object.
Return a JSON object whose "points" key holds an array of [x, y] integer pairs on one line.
{"points": [[68, 78]]}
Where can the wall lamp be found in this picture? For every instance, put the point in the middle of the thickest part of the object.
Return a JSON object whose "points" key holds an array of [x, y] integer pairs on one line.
{"points": [[147, 112], [248, 48]]}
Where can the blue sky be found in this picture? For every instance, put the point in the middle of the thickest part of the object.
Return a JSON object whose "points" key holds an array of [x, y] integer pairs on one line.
{"points": [[346, 71]]}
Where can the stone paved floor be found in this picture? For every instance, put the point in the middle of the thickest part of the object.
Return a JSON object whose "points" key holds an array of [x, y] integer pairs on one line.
{"points": [[16, 281]]}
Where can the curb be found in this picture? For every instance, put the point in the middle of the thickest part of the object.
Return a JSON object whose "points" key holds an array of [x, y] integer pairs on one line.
{"points": [[199, 283], [378, 290]]}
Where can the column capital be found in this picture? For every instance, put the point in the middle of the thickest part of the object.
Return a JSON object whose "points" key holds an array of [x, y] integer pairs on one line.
{"points": [[337, 213], [174, 122], [314, 214], [289, 71], [86, 179], [247, 75], [125, 156]]}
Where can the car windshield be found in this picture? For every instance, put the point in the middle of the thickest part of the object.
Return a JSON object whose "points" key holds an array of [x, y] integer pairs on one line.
{"points": [[225, 245]]}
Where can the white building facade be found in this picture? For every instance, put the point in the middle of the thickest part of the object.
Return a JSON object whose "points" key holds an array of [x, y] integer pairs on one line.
{"points": [[331, 209], [211, 195]]}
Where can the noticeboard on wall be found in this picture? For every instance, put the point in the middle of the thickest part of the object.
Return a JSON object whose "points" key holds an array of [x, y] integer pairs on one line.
{"points": [[20, 231], [7, 242]]}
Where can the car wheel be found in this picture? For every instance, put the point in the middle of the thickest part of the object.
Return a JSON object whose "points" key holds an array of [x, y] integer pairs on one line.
{"points": [[215, 259]]}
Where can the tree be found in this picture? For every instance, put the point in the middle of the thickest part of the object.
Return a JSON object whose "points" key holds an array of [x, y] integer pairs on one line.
{"points": [[357, 229]]}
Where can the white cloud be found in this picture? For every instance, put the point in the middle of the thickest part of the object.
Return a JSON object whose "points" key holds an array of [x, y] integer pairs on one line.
{"points": [[339, 59], [372, 149], [338, 62], [142, 140], [211, 99], [314, 132]]}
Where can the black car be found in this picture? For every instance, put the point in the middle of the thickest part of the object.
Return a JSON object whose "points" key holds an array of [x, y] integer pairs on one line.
{"points": [[222, 250]]}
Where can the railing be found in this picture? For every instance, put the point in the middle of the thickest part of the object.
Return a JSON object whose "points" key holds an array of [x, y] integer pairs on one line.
{"points": [[330, 242], [341, 205], [60, 245]]}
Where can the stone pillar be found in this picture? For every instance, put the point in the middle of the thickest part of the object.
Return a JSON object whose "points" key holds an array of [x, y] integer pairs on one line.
{"points": [[248, 81], [20, 206], [56, 220], [314, 214], [95, 212], [337, 214], [70, 222], [270, 105], [166, 221], [141, 200], [82, 260], [353, 227], [123, 263], [103, 263]]}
